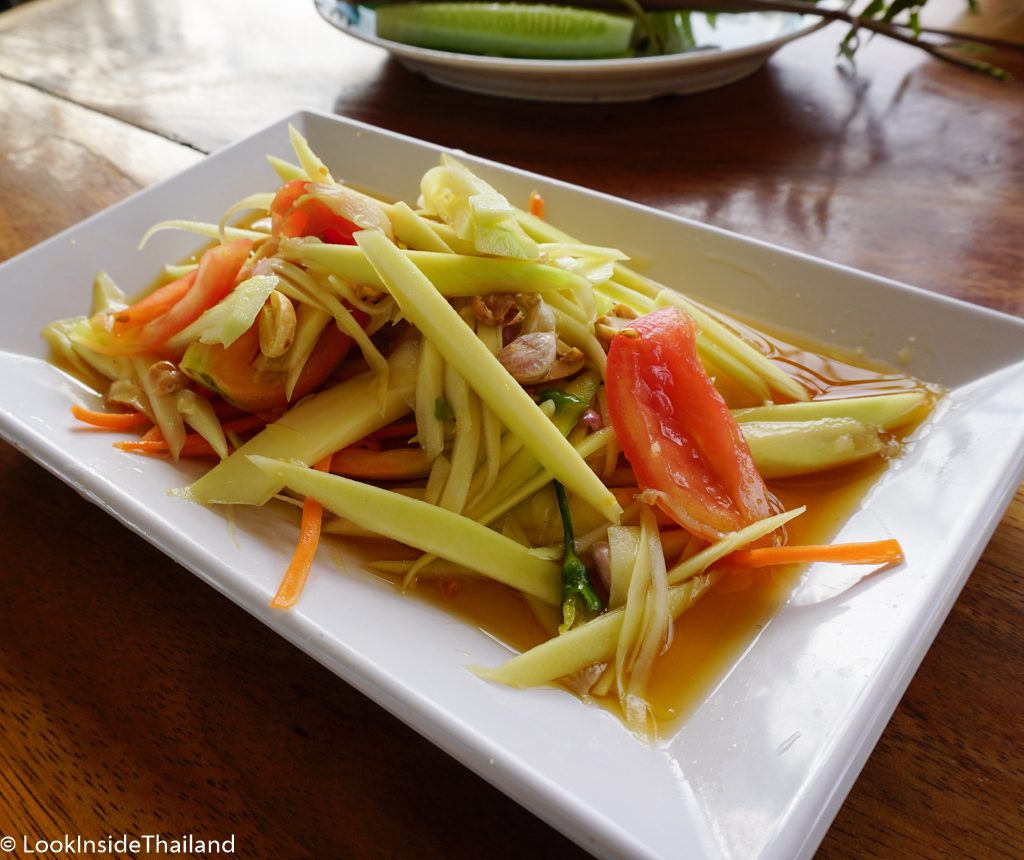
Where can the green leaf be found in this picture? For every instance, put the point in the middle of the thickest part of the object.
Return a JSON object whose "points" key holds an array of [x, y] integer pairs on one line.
{"points": [[873, 9], [848, 47], [898, 6]]}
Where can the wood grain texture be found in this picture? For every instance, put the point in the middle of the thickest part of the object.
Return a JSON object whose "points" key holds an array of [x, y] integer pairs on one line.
{"points": [[133, 697], [60, 163], [898, 170]]}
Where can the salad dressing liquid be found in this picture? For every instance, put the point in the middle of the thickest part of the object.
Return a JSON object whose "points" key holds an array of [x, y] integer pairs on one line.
{"points": [[708, 639]]}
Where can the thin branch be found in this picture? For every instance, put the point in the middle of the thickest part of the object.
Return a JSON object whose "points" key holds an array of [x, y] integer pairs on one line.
{"points": [[802, 7], [936, 51]]}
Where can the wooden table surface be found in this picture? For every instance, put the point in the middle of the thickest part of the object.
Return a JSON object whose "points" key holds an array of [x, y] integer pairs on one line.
{"points": [[135, 699]]}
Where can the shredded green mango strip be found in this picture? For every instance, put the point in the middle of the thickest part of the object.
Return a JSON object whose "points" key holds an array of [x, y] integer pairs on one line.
{"points": [[615, 292], [319, 425], [887, 411], [594, 642], [477, 211], [179, 270], [776, 378], [229, 319], [414, 231], [517, 493], [543, 231], [451, 274], [716, 358], [521, 469], [315, 169], [347, 291], [647, 607], [297, 284], [431, 313], [201, 228], [447, 234], [436, 569], [427, 527], [106, 295], [197, 412], [719, 360], [285, 170], [575, 333], [466, 446], [94, 367], [348, 324], [521, 475], [310, 323], [623, 547], [490, 336], [164, 406], [260, 201], [784, 449], [429, 388], [568, 306], [697, 564]]}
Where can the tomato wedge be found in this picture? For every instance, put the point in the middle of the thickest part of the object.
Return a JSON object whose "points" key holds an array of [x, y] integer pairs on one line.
{"points": [[284, 199], [232, 373], [676, 430], [156, 303], [293, 213], [144, 326]]}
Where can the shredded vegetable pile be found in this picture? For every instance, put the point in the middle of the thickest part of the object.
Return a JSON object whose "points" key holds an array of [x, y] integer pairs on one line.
{"points": [[502, 401]]}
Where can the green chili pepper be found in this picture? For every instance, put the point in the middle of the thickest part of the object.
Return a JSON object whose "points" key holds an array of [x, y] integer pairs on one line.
{"points": [[575, 579], [562, 399]]}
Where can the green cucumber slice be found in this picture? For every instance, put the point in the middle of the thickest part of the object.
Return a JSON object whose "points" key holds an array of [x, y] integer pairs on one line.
{"points": [[527, 31]]}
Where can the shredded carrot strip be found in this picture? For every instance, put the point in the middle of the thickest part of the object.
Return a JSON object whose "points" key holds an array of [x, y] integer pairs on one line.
{"points": [[393, 464], [873, 552], [309, 538], [153, 442], [194, 446], [110, 420], [536, 204]]}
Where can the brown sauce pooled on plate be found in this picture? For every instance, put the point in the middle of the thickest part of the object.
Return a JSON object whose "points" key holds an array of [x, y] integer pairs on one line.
{"points": [[707, 639]]}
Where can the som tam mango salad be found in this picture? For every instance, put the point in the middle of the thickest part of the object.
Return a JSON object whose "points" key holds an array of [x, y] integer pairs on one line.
{"points": [[494, 399]]}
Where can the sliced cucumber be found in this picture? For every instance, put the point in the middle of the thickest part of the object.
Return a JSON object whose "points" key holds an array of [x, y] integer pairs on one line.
{"points": [[528, 31]]}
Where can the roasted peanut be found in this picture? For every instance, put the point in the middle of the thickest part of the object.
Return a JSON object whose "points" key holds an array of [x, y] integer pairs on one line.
{"points": [[165, 378], [277, 325]]}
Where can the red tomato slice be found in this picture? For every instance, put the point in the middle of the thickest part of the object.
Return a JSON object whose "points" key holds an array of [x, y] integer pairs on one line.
{"points": [[213, 280], [676, 430], [156, 303], [295, 214], [285, 198], [232, 373]]}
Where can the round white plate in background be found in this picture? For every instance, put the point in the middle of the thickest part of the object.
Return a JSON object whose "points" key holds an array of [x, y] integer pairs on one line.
{"points": [[738, 45]]}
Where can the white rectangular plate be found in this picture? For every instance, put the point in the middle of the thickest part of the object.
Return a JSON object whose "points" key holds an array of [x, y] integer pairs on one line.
{"points": [[761, 768]]}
